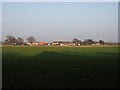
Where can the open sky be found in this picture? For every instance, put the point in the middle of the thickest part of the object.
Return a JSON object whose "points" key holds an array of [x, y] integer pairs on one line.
{"points": [[50, 21]]}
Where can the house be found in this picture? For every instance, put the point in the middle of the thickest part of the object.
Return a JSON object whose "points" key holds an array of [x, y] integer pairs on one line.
{"points": [[14, 43], [68, 43], [64, 43], [55, 43], [43, 43], [49, 44], [61, 44], [95, 43], [29, 44], [35, 43]]}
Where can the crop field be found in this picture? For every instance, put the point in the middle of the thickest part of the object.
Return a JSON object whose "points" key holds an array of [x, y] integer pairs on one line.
{"points": [[59, 67]]}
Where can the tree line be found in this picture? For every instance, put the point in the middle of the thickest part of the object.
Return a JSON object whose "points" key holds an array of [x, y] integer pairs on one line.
{"points": [[87, 42], [19, 41]]}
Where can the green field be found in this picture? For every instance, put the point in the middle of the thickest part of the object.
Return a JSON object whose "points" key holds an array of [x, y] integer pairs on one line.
{"points": [[59, 67]]}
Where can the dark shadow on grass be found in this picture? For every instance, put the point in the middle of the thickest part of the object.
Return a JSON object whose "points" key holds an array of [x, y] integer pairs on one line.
{"points": [[107, 53], [59, 70], [57, 57], [8, 57]]}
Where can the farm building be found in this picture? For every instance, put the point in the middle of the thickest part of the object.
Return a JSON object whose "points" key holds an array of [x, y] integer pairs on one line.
{"points": [[65, 43], [29, 44], [95, 43], [55, 43], [35, 43], [43, 43]]}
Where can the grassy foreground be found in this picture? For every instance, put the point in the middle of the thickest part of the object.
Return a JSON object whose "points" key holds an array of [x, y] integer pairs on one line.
{"points": [[59, 67]]}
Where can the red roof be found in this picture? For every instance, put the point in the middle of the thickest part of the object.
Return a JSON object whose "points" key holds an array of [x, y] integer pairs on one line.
{"points": [[43, 42]]}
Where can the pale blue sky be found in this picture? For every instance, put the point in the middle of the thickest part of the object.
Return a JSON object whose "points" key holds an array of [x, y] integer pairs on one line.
{"points": [[61, 21]]}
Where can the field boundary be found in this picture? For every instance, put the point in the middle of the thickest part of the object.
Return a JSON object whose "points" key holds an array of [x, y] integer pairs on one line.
{"points": [[64, 46]]}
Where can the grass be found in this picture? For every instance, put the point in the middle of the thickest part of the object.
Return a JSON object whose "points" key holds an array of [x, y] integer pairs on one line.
{"points": [[60, 67]]}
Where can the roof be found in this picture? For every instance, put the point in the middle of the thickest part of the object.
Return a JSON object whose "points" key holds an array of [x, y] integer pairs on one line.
{"points": [[43, 42]]}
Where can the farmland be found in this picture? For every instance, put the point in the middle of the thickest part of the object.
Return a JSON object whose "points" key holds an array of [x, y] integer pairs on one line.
{"points": [[59, 67]]}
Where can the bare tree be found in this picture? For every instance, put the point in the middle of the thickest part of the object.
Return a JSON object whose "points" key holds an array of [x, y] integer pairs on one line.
{"points": [[6, 42], [10, 40], [31, 39], [88, 42], [76, 41], [101, 42], [20, 41]]}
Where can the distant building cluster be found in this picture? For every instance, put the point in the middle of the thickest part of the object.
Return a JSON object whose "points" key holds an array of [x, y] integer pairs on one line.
{"points": [[75, 42], [68, 43], [36, 43]]}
